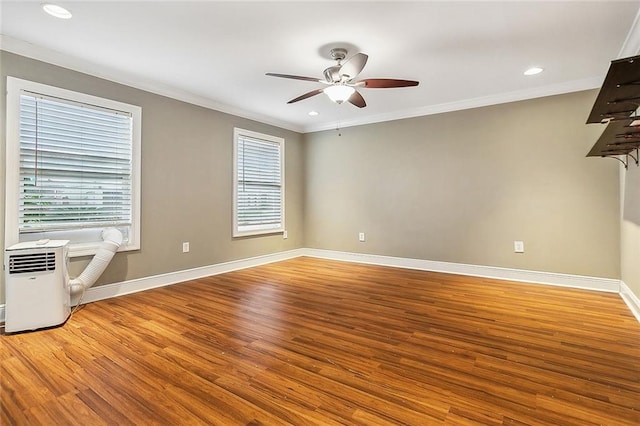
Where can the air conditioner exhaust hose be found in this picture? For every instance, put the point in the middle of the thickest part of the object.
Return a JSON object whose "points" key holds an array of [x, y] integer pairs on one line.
{"points": [[112, 239]]}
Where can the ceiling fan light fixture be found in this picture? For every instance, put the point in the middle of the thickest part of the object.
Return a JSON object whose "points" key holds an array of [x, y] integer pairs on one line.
{"points": [[56, 11], [341, 81], [339, 93]]}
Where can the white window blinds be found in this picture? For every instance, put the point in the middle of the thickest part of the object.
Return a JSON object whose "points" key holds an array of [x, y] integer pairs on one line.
{"points": [[75, 165], [259, 184]]}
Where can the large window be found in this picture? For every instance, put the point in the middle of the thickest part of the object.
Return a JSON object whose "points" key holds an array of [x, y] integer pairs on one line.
{"points": [[258, 187], [73, 165]]}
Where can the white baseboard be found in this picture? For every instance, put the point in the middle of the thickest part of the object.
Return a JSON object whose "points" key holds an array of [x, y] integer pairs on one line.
{"points": [[133, 286], [632, 301], [536, 277]]}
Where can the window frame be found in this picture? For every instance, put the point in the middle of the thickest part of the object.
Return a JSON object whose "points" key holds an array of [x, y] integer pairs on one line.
{"points": [[236, 232], [83, 242]]}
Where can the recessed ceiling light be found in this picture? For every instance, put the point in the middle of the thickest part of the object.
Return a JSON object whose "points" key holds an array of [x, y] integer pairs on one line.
{"points": [[313, 113], [57, 11], [533, 71]]}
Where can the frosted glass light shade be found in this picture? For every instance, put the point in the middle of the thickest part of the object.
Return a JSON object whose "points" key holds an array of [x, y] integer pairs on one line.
{"points": [[339, 93]]}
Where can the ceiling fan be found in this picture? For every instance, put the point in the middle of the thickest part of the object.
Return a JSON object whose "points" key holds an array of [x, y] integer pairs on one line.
{"points": [[340, 80]]}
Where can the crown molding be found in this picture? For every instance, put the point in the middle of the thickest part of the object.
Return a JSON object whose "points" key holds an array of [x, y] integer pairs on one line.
{"points": [[631, 45], [500, 98], [74, 63], [23, 48]]}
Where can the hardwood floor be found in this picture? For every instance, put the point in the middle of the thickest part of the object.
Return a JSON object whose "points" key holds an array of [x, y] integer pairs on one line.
{"points": [[310, 341]]}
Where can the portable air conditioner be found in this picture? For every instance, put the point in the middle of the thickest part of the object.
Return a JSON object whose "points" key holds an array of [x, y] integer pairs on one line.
{"points": [[37, 285]]}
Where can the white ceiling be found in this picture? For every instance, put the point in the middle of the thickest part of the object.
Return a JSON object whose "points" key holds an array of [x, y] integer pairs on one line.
{"points": [[215, 54]]}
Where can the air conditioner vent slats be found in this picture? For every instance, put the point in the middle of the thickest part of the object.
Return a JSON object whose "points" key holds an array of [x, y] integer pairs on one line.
{"points": [[32, 262]]}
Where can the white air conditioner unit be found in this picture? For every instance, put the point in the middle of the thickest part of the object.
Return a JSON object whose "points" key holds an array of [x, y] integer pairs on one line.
{"points": [[36, 285]]}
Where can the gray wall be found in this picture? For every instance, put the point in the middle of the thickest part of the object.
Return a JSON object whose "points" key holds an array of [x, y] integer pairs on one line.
{"points": [[186, 178], [457, 187], [631, 229], [462, 186]]}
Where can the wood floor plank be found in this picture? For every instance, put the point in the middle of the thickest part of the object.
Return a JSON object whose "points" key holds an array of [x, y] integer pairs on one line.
{"points": [[319, 342]]}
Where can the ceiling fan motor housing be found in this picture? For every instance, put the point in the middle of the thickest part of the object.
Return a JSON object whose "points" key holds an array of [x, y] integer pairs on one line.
{"points": [[338, 53], [332, 74]]}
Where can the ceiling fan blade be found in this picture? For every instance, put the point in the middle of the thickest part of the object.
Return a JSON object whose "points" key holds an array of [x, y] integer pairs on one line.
{"points": [[384, 83], [305, 96], [295, 77], [357, 100], [354, 65]]}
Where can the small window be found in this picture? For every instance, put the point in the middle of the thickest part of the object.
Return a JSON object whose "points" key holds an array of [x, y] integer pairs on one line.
{"points": [[258, 190], [72, 167]]}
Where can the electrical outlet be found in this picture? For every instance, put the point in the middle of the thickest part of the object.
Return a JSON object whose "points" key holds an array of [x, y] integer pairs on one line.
{"points": [[185, 247], [284, 235], [518, 246], [361, 237]]}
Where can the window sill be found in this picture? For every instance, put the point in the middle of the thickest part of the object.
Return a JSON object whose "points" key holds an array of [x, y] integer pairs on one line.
{"points": [[257, 232], [90, 249]]}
